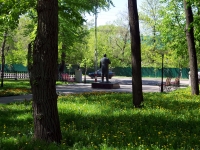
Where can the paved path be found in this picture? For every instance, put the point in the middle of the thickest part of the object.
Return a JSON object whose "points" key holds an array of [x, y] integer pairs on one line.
{"points": [[149, 85]]}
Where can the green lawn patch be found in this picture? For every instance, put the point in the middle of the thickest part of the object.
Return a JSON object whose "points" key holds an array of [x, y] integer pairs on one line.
{"points": [[15, 87], [101, 120], [19, 87]]}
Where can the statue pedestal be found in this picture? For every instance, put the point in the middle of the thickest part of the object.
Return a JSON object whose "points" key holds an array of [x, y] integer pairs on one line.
{"points": [[105, 85]]}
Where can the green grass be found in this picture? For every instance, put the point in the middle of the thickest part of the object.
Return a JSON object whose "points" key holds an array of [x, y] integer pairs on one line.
{"points": [[18, 87], [100, 120], [15, 87]]}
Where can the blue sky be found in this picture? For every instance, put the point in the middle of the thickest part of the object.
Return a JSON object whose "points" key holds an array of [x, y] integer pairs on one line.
{"points": [[112, 14]]}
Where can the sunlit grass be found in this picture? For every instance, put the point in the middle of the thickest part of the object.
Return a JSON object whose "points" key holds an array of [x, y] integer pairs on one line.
{"points": [[15, 87], [101, 120], [19, 87]]}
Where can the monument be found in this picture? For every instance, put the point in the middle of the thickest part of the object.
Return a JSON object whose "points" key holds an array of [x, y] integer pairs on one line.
{"points": [[104, 65]]}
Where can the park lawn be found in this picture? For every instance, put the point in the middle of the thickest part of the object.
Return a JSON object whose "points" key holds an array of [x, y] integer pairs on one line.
{"points": [[19, 87], [101, 120], [15, 87]]}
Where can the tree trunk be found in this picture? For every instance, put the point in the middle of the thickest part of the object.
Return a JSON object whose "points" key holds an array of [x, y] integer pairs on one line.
{"points": [[63, 57], [191, 49], [30, 58], [43, 73], [136, 53], [3, 57]]}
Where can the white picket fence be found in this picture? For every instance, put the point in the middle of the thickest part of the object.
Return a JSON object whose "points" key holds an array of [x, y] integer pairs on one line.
{"points": [[25, 75], [16, 75]]}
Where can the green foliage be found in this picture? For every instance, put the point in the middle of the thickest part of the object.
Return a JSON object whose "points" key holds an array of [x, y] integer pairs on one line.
{"points": [[72, 43], [16, 57], [152, 44], [172, 28], [71, 31], [72, 37], [86, 63], [11, 11], [78, 43], [18, 41], [166, 20], [113, 41], [149, 15], [105, 120]]}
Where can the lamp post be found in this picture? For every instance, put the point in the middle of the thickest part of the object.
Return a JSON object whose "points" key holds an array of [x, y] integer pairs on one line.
{"points": [[3, 57], [96, 42], [161, 50], [161, 90], [85, 71]]}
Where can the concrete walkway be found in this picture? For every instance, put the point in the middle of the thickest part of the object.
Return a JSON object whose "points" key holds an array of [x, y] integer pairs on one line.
{"points": [[149, 85]]}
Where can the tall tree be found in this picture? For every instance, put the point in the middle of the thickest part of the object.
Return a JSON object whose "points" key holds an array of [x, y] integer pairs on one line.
{"points": [[191, 48], [149, 17], [171, 27], [44, 70], [44, 73], [135, 53], [45, 55]]}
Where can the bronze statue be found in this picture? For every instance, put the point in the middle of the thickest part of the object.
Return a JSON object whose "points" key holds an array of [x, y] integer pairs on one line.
{"points": [[104, 65]]}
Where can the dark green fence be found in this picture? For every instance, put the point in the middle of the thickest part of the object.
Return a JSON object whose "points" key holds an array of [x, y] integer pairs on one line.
{"points": [[15, 68], [153, 72], [119, 71]]}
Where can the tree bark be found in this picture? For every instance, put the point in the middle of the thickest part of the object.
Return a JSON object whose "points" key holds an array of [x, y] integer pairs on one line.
{"points": [[191, 49], [135, 53], [63, 57], [44, 72], [3, 56]]}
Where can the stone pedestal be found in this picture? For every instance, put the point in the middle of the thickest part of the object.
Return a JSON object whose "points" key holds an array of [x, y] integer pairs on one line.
{"points": [[78, 76], [105, 85]]}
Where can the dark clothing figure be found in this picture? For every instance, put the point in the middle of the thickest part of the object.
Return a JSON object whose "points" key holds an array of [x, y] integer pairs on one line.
{"points": [[104, 65]]}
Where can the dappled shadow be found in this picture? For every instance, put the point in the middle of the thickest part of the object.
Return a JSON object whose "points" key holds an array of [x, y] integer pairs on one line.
{"points": [[15, 119], [123, 129]]}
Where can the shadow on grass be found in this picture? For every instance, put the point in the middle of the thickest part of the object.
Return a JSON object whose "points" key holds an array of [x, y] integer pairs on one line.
{"points": [[15, 116], [136, 129]]}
